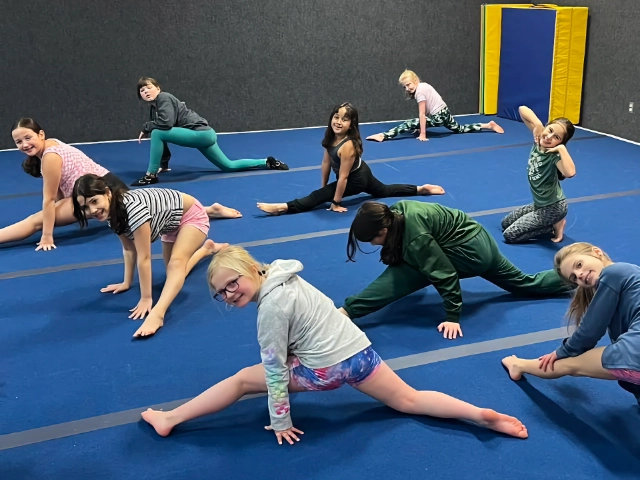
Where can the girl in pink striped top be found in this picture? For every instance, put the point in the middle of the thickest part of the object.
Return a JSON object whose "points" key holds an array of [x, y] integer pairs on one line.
{"points": [[59, 165]]}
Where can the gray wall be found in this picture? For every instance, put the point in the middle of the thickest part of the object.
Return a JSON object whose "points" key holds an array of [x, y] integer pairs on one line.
{"points": [[612, 70], [262, 64]]}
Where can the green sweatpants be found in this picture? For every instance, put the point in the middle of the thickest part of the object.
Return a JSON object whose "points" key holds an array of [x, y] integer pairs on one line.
{"points": [[204, 140], [479, 257]]}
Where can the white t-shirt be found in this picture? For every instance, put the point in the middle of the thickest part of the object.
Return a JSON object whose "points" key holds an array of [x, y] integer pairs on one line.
{"points": [[426, 92]]}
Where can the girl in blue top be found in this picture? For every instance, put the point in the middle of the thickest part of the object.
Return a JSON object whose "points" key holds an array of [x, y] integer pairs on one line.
{"points": [[172, 122], [607, 300]]}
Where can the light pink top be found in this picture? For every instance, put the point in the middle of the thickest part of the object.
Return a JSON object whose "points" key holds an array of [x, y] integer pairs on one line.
{"points": [[74, 165], [426, 92]]}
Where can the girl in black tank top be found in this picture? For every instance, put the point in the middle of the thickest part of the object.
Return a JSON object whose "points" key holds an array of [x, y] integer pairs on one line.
{"points": [[343, 152]]}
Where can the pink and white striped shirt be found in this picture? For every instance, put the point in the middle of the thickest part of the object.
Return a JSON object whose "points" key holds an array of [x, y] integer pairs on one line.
{"points": [[74, 165]]}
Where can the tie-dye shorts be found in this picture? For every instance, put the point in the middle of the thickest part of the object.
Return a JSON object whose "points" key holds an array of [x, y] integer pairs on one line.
{"points": [[631, 376], [352, 371]]}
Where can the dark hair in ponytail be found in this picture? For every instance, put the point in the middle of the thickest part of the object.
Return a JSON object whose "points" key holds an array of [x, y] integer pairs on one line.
{"points": [[371, 218], [31, 165], [90, 185]]}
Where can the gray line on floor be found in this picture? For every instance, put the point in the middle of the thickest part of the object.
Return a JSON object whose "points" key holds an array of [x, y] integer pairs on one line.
{"points": [[86, 425], [291, 238], [166, 180]]}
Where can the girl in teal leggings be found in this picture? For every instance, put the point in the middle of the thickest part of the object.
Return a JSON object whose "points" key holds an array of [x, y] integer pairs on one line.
{"points": [[172, 122]]}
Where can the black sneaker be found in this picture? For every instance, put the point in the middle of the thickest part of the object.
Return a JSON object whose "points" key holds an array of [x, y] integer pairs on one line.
{"points": [[146, 180], [274, 164]]}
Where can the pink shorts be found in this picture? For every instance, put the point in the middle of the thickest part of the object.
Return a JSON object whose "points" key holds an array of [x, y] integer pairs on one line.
{"points": [[196, 216], [631, 376]]}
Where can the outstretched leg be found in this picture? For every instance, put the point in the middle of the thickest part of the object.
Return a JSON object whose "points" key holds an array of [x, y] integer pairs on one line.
{"points": [[445, 119], [589, 364], [305, 204], [188, 242], [32, 224], [387, 387], [507, 276], [409, 126], [247, 381]]}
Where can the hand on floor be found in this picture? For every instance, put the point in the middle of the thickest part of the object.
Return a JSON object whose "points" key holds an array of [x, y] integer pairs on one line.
{"points": [[450, 330], [140, 310], [115, 288], [289, 434]]}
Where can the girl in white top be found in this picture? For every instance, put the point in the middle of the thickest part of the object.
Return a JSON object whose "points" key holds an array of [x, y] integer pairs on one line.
{"points": [[139, 217], [306, 344], [433, 112]]}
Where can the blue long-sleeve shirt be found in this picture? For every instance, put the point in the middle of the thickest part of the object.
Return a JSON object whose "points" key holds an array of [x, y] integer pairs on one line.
{"points": [[615, 309]]}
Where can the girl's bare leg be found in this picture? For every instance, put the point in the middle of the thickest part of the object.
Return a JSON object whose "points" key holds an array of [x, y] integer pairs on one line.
{"points": [[386, 386], [33, 223], [247, 381], [589, 364]]}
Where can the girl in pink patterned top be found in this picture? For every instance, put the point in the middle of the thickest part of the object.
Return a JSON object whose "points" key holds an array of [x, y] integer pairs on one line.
{"points": [[432, 112], [59, 165]]}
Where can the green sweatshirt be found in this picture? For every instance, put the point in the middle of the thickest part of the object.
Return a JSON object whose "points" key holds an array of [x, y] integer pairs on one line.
{"points": [[429, 230]]}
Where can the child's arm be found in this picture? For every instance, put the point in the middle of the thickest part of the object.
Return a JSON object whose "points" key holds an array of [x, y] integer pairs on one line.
{"points": [[51, 174], [142, 243], [273, 337], [594, 324], [531, 120], [347, 154], [565, 164], [167, 115], [129, 255], [422, 115], [325, 168]]}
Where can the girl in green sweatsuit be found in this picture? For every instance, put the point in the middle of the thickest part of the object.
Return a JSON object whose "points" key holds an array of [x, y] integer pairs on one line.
{"points": [[428, 244]]}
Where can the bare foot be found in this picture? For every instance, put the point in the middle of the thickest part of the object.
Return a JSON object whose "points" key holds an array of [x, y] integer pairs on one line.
{"points": [[150, 326], [503, 423], [510, 364], [558, 230], [159, 421], [495, 127], [273, 208], [427, 189], [378, 137], [220, 211], [211, 248]]}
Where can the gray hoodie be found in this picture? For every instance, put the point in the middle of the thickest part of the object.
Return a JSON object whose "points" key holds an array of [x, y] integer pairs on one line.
{"points": [[295, 318], [167, 112]]}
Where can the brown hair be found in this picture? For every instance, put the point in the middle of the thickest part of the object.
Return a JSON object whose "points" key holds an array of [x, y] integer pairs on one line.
{"points": [[31, 165], [568, 126], [144, 81]]}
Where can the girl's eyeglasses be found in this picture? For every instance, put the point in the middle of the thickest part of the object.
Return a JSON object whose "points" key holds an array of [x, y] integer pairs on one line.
{"points": [[231, 287]]}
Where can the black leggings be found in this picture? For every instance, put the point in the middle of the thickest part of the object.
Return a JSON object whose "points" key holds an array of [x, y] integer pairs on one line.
{"points": [[359, 181]]}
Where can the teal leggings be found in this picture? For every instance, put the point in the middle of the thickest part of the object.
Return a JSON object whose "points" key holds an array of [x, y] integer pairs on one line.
{"points": [[204, 141]]}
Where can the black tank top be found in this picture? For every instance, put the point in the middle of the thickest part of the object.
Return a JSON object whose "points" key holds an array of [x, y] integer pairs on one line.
{"points": [[335, 159]]}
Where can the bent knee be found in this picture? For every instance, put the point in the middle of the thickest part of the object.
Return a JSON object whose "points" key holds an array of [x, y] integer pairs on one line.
{"points": [[177, 264], [35, 220]]}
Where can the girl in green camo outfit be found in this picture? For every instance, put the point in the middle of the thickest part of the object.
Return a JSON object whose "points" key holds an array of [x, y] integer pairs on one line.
{"points": [[428, 244], [433, 112], [172, 122]]}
